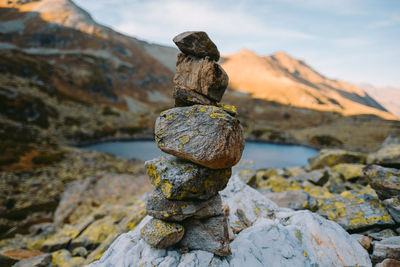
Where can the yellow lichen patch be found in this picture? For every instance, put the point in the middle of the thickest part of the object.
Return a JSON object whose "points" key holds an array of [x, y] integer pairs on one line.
{"points": [[279, 184], [305, 254], [299, 236], [202, 109], [217, 115], [183, 140], [349, 171], [169, 117], [166, 188], [152, 173]]}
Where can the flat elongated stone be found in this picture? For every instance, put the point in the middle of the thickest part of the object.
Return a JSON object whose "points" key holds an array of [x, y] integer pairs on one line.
{"points": [[162, 208], [196, 43], [332, 157], [201, 75], [210, 235], [385, 181], [161, 234], [205, 135], [179, 179], [184, 97]]}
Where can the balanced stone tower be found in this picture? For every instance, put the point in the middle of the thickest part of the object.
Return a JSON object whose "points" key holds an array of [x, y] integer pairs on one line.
{"points": [[205, 141]]}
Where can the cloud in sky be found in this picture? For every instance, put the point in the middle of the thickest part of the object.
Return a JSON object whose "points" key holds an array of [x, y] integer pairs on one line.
{"points": [[342, 32]]}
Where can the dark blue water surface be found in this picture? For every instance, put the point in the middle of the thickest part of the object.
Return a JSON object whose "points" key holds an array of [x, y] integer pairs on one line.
{"points": [[263, 155]]}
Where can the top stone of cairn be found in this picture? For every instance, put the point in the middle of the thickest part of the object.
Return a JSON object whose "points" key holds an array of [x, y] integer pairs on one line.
{"points": [[197, 43]]}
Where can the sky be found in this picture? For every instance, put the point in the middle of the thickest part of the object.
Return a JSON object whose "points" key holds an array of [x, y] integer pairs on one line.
{"points": [[353, 40]]}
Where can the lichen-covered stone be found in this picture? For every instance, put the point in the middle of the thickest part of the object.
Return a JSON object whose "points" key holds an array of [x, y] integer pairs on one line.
{"points": [[205, 135], [179, 179], [385, 181], [387, 248], [185, 97], [393, 207], [388, 154], [349, 172], [382, 234], [332, 157], [196, 43], [210, 235], [161, 234], [63, 258], [354, 211], [158, 206], [201, 75]]}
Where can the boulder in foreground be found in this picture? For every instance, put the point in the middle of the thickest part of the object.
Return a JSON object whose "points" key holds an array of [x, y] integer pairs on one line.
{"points": [[205, 135], [278, 237]]}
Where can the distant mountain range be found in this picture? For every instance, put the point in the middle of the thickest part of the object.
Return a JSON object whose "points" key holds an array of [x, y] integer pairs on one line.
{"points": [[65, 79], [388, 96]]}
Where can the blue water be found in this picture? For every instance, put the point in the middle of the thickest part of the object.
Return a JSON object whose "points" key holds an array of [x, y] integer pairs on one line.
{"points": [[262, 154]]}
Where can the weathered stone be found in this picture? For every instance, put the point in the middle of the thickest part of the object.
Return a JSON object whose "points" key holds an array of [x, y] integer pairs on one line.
{"points": [[383, 234], [85, 195], [317, 177], [297, 200], [332, 157], [210, 235], [393, 206], [64, 236], [290, 238], [205, 135], [63, 258], [354, 211], [201, 75], [179, 179], [388, 155], [387, 248], [385, 181], [184, 97], [349, 172], [364, 240], [38, 261], [196, 43], [294, 171], [388, 263], [246, 171], [161, 234], [158, 206]]}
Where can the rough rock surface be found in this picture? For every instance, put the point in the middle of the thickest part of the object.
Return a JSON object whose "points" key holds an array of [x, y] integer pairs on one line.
{"points": [[209, 235], [297, 200], [354, 211], [383, 234], [197, 43], [387, 248], [331, 157], [393, 206], [161, 234], [184, 97], [349, 172], [201, 75], [206, 135], [388, 154], [179, 179], [279, 237], [385, 181], [162, 208]]}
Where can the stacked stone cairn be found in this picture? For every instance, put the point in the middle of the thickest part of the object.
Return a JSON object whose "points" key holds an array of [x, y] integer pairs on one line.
{"points": [[205, 141]]}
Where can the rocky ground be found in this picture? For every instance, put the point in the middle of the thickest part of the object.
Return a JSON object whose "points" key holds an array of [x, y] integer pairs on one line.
{"points": [[76, 226]]}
